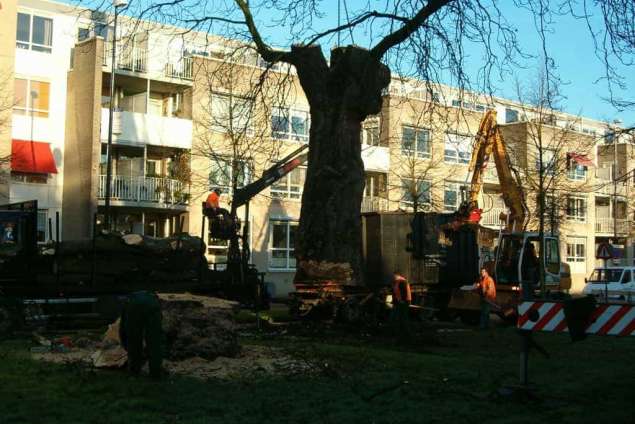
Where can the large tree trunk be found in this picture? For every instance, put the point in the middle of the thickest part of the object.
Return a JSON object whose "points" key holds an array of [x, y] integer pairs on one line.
{"points": [[341, 96]]}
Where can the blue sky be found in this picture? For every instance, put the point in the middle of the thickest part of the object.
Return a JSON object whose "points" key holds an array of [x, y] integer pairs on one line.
{"points": [[568, 43]]}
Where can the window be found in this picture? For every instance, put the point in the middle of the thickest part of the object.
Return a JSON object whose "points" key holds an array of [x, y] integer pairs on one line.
{"points": [[511, 115], [576, 209], [415, 190], [231, 114], [415, 141], [548, 161], [552, 256], [370, 135], [576, 171], [83, 34], [31, 97], [42, 225], [290, 124], [221, 174], [27, 177], [290, 186], [281, 245], [453, 195], [576, 249], [458, 148], [376, 184], [456, 103], [34, 33]]}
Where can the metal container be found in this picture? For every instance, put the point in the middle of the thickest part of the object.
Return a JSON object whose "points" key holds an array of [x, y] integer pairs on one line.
{"points": [[449, 258]]}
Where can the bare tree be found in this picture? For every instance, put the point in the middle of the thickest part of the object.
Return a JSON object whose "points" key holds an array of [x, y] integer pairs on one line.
{"points": [[423, 39], [551, 159]]}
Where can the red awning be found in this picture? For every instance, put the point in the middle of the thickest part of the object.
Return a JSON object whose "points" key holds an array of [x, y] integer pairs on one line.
{"points": [[32, 156], [580, 159]]}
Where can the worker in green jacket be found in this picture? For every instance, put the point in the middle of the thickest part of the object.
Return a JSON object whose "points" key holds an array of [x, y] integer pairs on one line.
{"points": [[141, 322]]}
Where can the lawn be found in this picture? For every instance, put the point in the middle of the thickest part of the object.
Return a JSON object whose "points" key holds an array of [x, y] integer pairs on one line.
{"points": [[454, 377]]}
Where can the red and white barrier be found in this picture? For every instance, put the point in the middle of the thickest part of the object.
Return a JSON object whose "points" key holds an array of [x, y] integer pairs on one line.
{"points": [[607, 319]]}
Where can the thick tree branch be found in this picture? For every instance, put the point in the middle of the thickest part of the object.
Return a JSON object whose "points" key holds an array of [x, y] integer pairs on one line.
{"points": [[408, 28], [267, 53]]}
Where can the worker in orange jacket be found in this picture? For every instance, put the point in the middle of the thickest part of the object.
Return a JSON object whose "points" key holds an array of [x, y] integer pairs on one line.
{"points": [[401, 300], [213, 200], [487, 290]]}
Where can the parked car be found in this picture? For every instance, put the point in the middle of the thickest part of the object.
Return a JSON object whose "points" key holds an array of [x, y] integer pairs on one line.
{"points": [[615, 283]]}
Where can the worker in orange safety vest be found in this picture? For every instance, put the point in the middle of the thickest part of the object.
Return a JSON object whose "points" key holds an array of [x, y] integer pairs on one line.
{"points": [[487, 290], [401, 300], [213, 200]]}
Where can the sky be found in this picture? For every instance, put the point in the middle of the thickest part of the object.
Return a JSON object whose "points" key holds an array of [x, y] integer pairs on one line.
{"points": [[568, 42]]}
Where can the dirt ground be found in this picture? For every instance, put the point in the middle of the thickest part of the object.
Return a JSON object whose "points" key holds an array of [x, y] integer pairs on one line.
{"points": [[253, 360]]}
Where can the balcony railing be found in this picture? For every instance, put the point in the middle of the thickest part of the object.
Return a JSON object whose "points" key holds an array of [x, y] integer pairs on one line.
{"points": [[490, 175], [181, 69], [374, 204], [145, 189], [134, 59], [607, 225], [491, 217]]}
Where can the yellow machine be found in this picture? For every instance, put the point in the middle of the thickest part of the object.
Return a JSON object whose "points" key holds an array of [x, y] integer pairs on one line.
{"points": [[516, 263]]}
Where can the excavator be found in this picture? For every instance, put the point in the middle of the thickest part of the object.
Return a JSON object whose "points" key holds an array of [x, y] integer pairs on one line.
{"points": [[519, 259]]}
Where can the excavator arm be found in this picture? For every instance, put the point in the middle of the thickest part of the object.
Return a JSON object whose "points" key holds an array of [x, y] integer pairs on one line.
{"points": [[489, 141]]}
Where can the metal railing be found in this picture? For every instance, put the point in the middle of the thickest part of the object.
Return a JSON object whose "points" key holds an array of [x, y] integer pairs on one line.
{"points": [[374, 204], [491, 217], [182, 69], [134, 59], [145, 189], [606, 225]]}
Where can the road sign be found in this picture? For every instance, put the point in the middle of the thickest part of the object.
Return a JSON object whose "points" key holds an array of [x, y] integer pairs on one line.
{"points": [[605, 251]]}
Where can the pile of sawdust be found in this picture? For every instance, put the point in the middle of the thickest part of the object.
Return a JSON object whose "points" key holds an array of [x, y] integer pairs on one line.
{"points": [[252, 361], [198, 326]]}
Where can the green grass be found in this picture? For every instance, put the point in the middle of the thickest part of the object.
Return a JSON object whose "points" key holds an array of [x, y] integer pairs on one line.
{"points": [[358, 380]]}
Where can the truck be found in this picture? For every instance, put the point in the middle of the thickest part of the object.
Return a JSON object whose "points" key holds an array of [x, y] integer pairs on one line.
{"points": [[88, 279]]}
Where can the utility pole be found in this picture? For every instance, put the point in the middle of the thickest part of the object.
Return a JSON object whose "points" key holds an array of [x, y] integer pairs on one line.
{"points": [[615, 122], [113, 66]]}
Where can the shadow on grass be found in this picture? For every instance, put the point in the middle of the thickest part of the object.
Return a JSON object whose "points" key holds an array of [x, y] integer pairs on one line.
{"points": [[354, 381]]}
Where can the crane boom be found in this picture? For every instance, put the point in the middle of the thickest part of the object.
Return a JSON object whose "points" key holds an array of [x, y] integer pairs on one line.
{"points": [[489, 141], [271, 175]]}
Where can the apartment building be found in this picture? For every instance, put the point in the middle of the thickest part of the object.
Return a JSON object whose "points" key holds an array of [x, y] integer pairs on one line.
{"points": [[176, 119]]}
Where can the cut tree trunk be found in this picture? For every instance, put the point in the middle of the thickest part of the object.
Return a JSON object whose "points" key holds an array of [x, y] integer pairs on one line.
{"points": [[341, 96]]}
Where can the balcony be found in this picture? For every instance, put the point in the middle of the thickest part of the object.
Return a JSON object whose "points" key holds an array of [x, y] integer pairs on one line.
{"points": [[490, 175], [491, 217], [374, 204], [136, 59], [155, 192], [606, 226], [181, 69], [141, 128], [376, 158], [604, 183], [132, 59]]}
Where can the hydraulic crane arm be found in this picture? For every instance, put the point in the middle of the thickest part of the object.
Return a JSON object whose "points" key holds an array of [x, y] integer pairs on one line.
{"points": [[489, 141], [270, 176]]}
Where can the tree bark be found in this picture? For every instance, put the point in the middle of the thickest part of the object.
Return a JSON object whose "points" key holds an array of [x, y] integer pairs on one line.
{"points": [[341, 96]]}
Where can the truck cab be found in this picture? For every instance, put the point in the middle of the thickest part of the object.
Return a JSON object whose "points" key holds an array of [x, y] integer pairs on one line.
{"points": [[518, 261], [616, 283]]}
